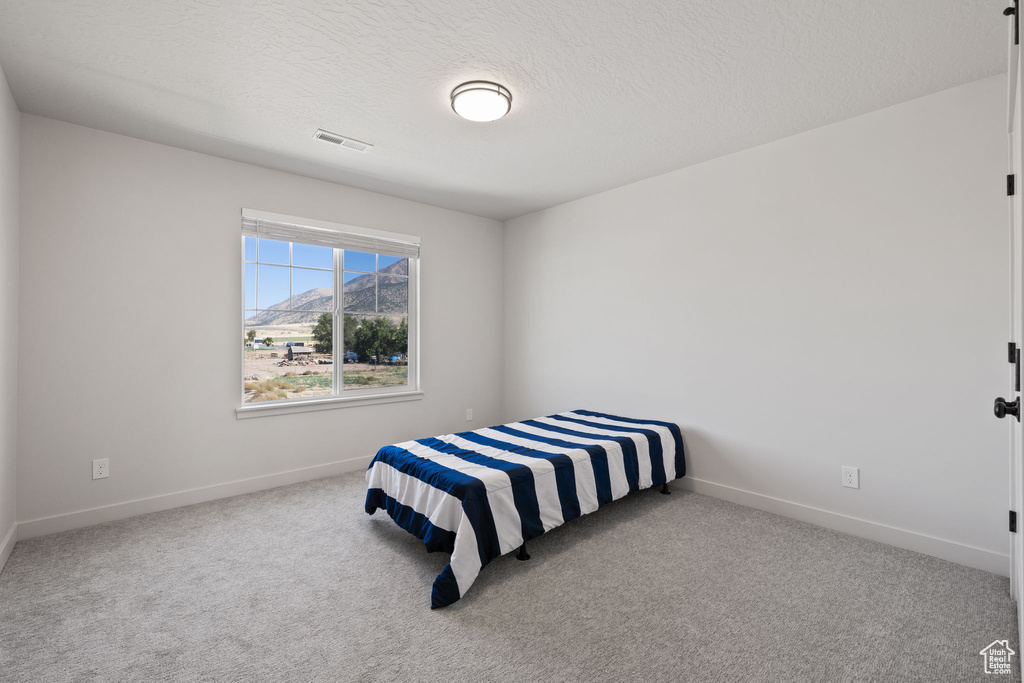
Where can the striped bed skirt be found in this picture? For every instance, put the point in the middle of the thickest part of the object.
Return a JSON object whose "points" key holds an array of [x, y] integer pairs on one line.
{"points": [[481, 494]]}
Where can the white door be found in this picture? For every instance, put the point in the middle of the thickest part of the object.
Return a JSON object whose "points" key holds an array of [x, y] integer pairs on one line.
{"points": [[1016, 331]]}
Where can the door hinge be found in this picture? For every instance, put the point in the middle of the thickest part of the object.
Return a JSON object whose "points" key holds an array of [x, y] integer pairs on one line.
{"points": [[1013, 521], [1010, 185], [1014, 12]]}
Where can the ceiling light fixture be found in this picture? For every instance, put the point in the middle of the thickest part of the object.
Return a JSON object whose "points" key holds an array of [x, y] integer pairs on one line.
{"points": [[481, 101]]}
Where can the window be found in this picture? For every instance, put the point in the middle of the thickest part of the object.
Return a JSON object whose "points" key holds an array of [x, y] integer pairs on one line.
{"points": [[329, 314]]}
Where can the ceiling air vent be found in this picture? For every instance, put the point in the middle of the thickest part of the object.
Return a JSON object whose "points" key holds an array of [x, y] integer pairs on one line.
{"points": [[335, 139]]}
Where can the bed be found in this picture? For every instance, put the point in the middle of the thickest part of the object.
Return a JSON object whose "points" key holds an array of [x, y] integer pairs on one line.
{"points": [[484, 493]]}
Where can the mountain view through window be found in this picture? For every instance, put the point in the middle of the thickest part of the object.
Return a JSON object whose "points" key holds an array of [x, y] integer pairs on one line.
{"points": [[292, 342]]}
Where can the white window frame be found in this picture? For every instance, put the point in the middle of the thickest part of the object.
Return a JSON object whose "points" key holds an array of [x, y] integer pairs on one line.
{"points": [[342, 398]]}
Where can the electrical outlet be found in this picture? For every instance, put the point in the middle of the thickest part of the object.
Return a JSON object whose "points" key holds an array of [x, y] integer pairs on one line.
{"points": [[101, 468], [851, 477], [469, 414]]}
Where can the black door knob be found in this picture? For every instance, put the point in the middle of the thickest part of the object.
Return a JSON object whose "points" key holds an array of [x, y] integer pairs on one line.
{"points": [[1002, 408]]}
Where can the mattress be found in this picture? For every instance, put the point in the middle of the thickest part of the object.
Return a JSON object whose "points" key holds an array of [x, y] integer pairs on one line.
{"points": [[484, 493]]}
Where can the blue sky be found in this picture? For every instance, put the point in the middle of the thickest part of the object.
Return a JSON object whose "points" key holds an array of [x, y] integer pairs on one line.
{"points": [[274, 272]]}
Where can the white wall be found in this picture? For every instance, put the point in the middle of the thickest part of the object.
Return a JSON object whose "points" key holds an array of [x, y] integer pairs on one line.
{"points": [[9, 174], [130, 335], [835, 298]]}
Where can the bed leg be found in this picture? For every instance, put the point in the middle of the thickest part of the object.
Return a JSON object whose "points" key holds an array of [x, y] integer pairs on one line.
{"points": [[522, 554], [664, 489]]}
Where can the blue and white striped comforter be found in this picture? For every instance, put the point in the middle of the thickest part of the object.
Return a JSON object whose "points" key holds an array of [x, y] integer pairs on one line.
{"points": [[481, 494]]}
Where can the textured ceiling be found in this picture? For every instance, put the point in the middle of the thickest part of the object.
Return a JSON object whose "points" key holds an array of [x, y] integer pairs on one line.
{"points": [[605, 92]]}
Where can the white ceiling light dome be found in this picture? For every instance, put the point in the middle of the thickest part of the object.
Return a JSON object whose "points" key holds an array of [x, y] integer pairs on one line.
{"points": [[481, 101]]}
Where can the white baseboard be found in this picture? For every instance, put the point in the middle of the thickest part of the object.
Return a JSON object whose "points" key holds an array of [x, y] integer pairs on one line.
{"points": [[968, 555], [108, 513], [7, 545], [953, 551]]}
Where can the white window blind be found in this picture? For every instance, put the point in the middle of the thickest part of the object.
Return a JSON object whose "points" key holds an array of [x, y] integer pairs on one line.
{"points": [[404, 246]]}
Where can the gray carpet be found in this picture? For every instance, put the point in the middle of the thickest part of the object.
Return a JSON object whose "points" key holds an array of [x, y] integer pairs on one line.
{"points": [[299, 584]]}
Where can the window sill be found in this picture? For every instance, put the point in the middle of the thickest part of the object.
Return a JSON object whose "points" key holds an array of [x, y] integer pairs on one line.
{"points": [[329, 403]]}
